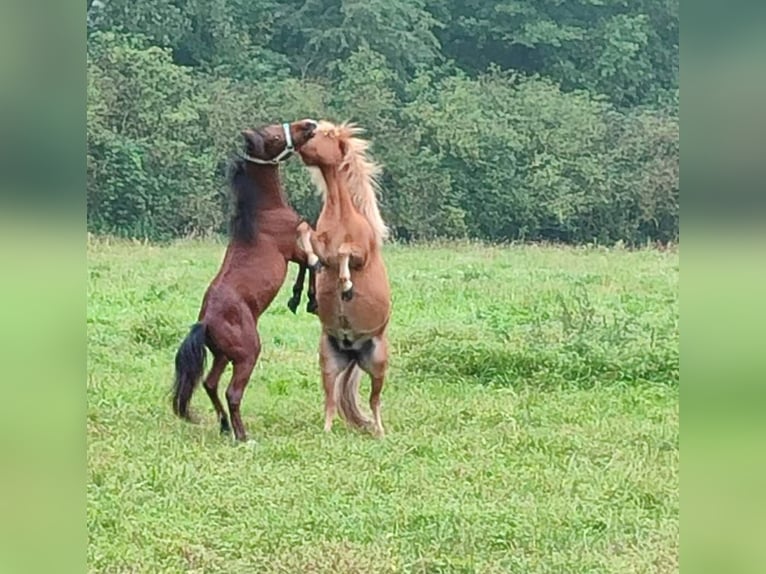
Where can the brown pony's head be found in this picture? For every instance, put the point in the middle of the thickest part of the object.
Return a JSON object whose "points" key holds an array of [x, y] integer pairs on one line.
{"points": [[274, 143], [329, 145]]}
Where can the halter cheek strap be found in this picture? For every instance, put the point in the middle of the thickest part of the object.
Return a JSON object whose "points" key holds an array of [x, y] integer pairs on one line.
{"points": [[289, 148]]}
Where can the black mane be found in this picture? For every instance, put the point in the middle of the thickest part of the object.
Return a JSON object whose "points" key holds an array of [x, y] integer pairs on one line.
{"points": [[246, 196]]}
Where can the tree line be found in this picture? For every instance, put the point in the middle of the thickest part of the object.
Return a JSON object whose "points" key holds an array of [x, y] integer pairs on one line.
{"points": [[498, 120]]}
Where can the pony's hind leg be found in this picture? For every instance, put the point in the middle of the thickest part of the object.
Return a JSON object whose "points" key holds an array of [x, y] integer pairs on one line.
{"points": [[211, 386], [240, 377], [377, 387], [247, 352], [375, 362], [331, 363]]}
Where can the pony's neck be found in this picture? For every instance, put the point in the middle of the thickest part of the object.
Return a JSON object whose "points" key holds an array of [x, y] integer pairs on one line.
{"points": [[271, 194], [338, 199]]}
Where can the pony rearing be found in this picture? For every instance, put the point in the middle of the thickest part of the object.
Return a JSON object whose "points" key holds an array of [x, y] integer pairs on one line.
{"points": [[352, 290], [253, 270]]}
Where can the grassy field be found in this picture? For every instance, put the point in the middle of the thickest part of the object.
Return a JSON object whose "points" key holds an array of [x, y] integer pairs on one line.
{"points": [[531, 415]]}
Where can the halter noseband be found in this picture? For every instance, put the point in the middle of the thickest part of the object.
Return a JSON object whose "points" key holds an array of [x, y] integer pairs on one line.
{"points": [[289, 148]]}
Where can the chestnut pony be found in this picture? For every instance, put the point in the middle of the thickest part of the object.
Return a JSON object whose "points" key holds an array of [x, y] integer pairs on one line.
{"points": [[254, 267], [353, 294]]}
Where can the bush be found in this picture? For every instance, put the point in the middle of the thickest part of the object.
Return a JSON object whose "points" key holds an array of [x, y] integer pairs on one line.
{"points": [[497, 157]]}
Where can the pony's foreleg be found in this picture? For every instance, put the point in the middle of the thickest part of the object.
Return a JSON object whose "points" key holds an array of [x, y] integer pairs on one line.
{"points": [[303, 238], [305, 234], [348, 254], [344, 276], [311, 304], [295, 300]]}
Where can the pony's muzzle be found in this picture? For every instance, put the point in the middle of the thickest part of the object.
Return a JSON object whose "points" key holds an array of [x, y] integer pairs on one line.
{"points": [[304, 131], [309, 127]]}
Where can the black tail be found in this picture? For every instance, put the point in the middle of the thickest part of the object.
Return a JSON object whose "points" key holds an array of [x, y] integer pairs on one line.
{"points": [[190, 363]]}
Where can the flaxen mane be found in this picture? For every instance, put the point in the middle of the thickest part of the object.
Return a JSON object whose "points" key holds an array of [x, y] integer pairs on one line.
{"points": [[361, 173]]}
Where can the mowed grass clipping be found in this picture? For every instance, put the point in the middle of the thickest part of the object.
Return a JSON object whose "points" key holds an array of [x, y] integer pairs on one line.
{"points": [[531, 412]]}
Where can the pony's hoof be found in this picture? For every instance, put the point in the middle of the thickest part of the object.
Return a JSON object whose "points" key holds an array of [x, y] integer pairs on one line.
{"points": [[292, 304], [311, 306], [317, 267], [225, 428], [347, 295]]}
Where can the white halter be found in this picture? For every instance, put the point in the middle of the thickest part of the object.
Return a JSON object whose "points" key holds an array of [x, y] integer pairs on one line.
{"points": [[289, 148]]}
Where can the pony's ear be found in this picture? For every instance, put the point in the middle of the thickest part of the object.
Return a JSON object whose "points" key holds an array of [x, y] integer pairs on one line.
{"points": [[253, 143]]}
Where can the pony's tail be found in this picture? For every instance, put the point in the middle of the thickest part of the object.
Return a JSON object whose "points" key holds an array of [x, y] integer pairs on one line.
{"points": [[347, 390], [190, 363]]}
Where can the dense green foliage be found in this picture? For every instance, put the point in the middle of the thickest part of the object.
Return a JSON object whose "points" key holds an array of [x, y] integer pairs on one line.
{"points": [[530, 429], [498, 120]]}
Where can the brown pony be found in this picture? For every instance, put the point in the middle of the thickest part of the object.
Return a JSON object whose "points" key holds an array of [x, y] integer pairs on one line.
{"points": [[353, 295], [262, 243]]}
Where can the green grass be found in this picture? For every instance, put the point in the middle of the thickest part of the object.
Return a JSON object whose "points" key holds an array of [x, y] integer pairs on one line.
{"points": [[531, 414]]}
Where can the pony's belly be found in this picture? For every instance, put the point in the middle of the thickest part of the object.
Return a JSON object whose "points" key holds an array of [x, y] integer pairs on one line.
{"points": [[354, 325], [364, 316], [339, 325]]}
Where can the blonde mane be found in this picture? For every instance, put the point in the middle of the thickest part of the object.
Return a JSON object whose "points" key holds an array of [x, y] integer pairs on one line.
{"points": [[361, 174]]}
